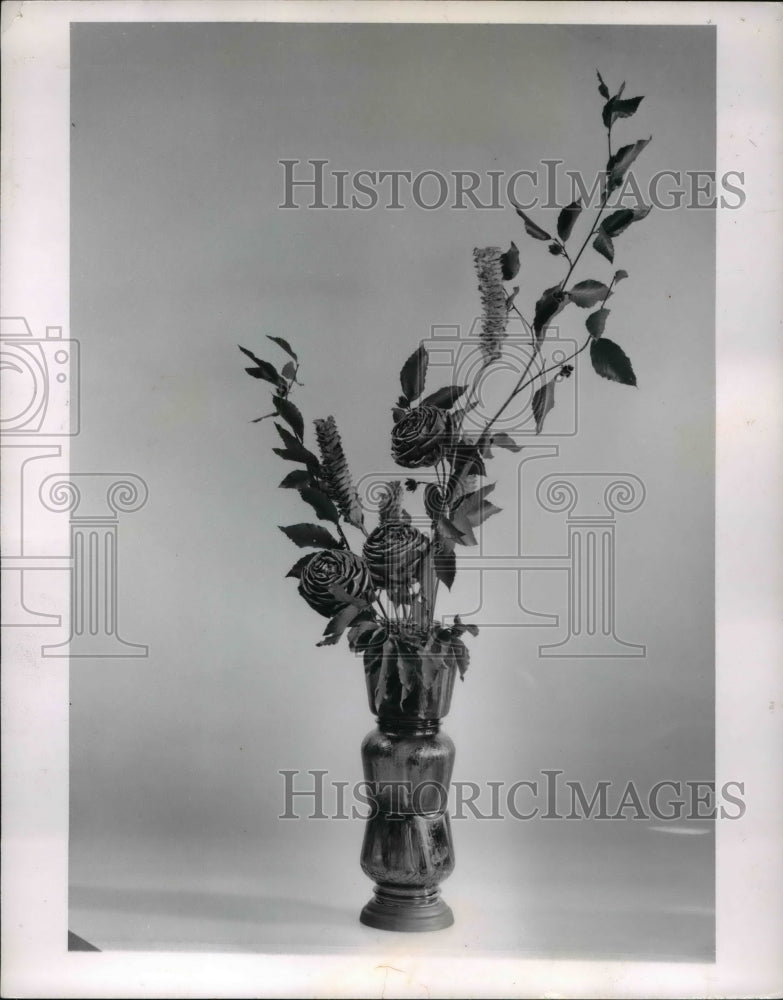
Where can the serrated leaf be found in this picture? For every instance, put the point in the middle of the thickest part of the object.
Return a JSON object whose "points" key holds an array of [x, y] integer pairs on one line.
{"points": [[621, 161], [603, 90], [294, 450], [291, 414], [543, 401], [603, 244], [320, 503], [596, 322], [611, 362], [299, 565], [587, 293], [619, 275], [414, 374], [339, 624], [509, 262], [310, 536], [567, 219], [297, 479], [446, 566], [285, 345], [548, 306], [531, 228], [503, 440], [444, 398]]}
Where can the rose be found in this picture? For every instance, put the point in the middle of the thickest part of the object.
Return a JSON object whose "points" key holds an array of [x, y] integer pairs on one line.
{"points": [[334, 570], [419, 436], [393, 552]]}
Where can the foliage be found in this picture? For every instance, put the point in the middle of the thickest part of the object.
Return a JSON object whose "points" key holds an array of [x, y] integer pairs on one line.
{"points": [[383, 593]]}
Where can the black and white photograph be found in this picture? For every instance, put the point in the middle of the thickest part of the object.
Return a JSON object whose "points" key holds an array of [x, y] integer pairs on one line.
{"points": [[391, 466]]}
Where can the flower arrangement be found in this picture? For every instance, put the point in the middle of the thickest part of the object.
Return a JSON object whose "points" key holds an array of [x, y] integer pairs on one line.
{"points": [[383, 592]]}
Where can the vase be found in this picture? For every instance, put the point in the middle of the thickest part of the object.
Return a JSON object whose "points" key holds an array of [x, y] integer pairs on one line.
{"points": [[407, 849]]}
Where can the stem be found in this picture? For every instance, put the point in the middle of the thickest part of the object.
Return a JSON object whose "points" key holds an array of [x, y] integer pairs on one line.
{"points": [[515, 391]]}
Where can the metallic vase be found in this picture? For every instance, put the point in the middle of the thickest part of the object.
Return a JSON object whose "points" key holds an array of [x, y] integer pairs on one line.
{"points": [[407, 849]]}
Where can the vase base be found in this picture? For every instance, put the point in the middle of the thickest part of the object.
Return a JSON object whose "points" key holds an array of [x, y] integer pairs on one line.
{"points": [[408, 911]]}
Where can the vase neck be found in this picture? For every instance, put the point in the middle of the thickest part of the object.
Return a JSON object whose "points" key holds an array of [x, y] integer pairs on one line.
{"points": [[397, 725]]}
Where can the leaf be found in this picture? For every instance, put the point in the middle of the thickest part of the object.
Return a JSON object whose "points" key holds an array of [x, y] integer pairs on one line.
{"points": [[473, 629], [503, 440], [321, 504], [285, 345], [619, 275], [449, 531], [509, 262], [408, 667], [548, 306], [603, 244], [624, 109], [617, 222], [266, 372], [621, 161], [610, 361], [289, 370], [337, 625], [388, 663], [414, 373], [432, 662], [603, 90], [310, 536], [460, 656], [290, 413], [299, 565], [342, 595], [596, 322], [467, 460], [294, 450], [587, 293], [446, 566], [543, 402], [444, 398], [567, 218], [531, 228], [297, 479], [361, 634], [474, 509]]}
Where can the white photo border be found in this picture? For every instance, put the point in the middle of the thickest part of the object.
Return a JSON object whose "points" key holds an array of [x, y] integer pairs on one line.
{"points": [[749, 700]]}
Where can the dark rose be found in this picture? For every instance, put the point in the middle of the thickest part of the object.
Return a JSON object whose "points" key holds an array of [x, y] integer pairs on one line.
{"points": [[419, 437], [334, 568], [393, 552]]}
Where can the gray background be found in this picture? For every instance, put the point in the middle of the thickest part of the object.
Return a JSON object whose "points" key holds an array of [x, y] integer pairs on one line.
{"points": [[179, 252]]}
